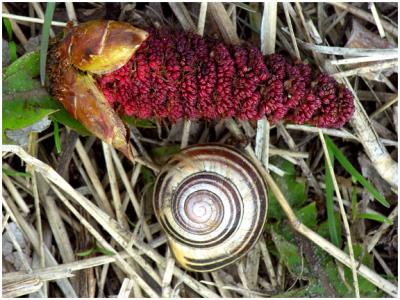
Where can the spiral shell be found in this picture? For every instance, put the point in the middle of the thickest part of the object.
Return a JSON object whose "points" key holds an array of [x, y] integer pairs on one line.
{"points": [[211, 202]]}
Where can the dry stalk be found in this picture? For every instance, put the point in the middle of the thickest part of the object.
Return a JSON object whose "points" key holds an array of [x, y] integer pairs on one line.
{"points": [[109, 224], [183, 16], [268, 42], [129, 189], [365, 16], [71, 12], [116, 197], [119, 260], [220, 16], [20, 35], [32, 236], [373, 240], [373, 146], [337, 253], [126, 288]]}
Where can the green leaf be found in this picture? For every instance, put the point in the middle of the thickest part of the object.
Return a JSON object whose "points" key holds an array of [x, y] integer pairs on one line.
{"points": [[8, 26], [329, 201], [57, 136], [148, 175], [293, 191], [103, 251], [19, 82], [313, 289], [349, 168], [324, 228], [15, 173], [367, 289], [95, 250], [308, 215], [290, 255], [139, 123], [375, 217], [85, 252], [13, 51], [44, 43], [28, 63], [165, 151], [19, 113], [63, 117]]}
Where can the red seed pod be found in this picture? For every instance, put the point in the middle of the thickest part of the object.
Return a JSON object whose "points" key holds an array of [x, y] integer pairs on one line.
{"points": [[172, 74], [181, 75]]}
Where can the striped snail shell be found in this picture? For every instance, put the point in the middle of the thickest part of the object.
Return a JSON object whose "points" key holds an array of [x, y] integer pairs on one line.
{"points": [[211, 201]]}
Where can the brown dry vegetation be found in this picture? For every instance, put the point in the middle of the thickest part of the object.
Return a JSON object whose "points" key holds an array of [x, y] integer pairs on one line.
{"points": [[82, 224]]}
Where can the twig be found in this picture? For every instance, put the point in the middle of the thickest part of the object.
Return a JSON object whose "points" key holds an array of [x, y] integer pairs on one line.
{"points": [[304, 167], [32, 236], [357, 60], [365, 16], [104, 204], [116, 198], [202, 18], [183, 15], [129, 189], [15, 194], [218, 13], [123, 265], [292, 36], [29, 19], [71, 12], [126, 288], [373, 240], [383, 107], [373, 146], [346, 51], [185, 133], [268, 262], [167, 277], [220, 285], [268, 27], [268, 41], [335, 132], [376, 67]]}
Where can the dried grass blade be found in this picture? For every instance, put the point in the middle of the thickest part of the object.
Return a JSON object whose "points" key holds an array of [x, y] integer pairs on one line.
{"points": [[220, 16], [183, 16]]}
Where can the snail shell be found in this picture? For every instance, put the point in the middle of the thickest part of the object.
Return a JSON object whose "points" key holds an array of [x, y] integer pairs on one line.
{"points": [[211, 201]]}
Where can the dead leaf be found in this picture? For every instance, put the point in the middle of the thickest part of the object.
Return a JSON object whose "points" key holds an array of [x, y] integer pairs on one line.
{"points": [[361, 37]]}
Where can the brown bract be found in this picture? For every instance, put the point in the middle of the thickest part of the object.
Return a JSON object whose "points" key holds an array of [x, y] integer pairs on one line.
{"points": [[93, 47]]}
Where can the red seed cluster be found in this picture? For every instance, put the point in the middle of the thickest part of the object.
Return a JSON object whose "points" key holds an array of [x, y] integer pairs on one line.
{"points": [[182, 75]]}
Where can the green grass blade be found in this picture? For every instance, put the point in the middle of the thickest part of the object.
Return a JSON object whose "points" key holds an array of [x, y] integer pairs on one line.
{"points": [[44, 43], [8, 26], [349, 168], [375, 217], [329, 202], [16, 173], [13, 51], [57, 136]]}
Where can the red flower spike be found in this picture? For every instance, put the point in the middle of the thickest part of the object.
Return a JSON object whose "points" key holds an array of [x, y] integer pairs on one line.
{"points": [[181, 75]]}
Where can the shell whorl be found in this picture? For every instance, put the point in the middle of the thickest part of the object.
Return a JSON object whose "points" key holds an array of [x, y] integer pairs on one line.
{"points": [[212, 202]]}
